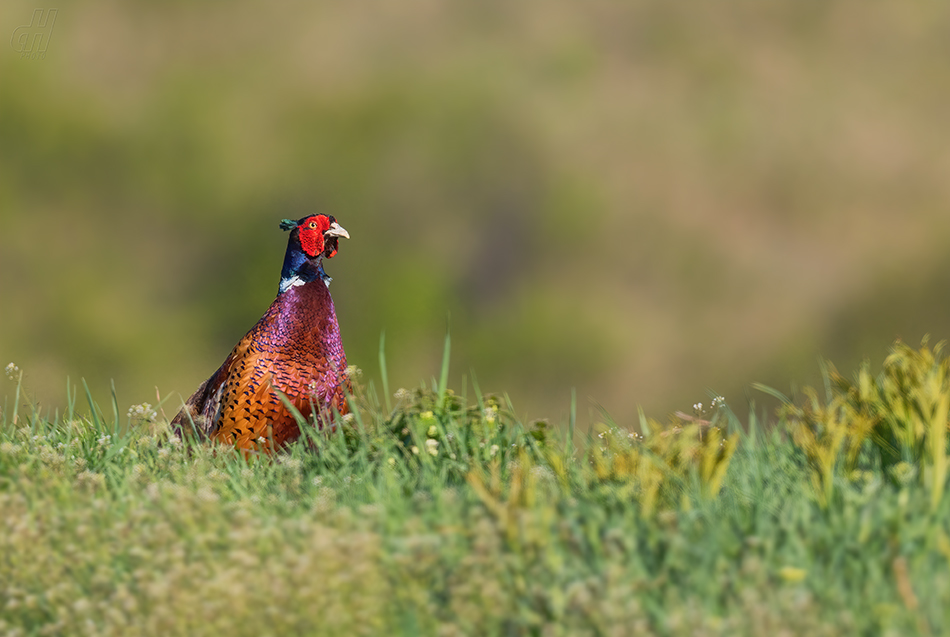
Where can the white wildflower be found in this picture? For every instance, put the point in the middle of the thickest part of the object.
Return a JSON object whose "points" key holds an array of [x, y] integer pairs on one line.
{"points": [[493, 450], [293, 464], [142, 412], [541, 472], [12, 371], [432, 447]]}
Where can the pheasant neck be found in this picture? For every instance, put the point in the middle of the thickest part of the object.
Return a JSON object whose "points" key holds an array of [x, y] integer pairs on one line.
{"points": [[298, 270]]}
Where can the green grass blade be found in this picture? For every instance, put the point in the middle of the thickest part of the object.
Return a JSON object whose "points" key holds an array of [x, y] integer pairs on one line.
{"points": [[444, 375], [70, 401], [301, 421], [16, 397], [774, 393], [572, 424], [645, 428], [383, 372], [115, 410], [93, 410], [753, 425]]}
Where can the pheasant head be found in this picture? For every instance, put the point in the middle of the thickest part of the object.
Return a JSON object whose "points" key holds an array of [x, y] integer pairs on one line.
{"points": [[311, 239]]}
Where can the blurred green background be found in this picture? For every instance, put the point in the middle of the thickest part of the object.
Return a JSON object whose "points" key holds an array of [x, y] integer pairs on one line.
{"points": [[643, 200]]}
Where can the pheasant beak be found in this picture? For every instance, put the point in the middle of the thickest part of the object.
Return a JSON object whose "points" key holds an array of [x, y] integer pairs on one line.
{"points": [[331, 239], [336, 230]]}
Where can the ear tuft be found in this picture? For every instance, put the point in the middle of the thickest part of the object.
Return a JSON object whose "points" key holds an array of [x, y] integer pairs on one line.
{"points": [[287, 224]]}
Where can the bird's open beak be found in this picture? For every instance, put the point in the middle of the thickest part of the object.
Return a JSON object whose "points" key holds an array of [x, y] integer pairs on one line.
{"points": [[336, 230]]}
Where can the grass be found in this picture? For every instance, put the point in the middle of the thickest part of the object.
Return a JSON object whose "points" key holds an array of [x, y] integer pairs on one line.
{"points": [[445, 515]]}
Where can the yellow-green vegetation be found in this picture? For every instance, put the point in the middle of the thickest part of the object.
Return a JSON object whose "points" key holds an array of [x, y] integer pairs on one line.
{"points": [[440, 513]]}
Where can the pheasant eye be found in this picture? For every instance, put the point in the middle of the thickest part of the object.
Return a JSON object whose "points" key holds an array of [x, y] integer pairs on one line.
{"points": [[313, 224]]}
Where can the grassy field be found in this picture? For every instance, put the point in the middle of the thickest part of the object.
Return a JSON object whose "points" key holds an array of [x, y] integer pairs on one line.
{"points": [[433, 512]]}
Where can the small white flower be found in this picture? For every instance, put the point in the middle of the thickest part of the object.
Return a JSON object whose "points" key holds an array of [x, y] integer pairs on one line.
{"points": [[402, 394], [143, 411], [415, 450], [540, 472], [432, 447], [489, 414], [493, 450], [12, 371]]}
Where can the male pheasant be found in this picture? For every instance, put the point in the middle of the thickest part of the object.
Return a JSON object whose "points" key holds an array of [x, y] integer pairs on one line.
{"points": [[295, 348]]}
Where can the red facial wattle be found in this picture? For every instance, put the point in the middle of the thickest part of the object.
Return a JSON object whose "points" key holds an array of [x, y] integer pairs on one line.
{"points": [[311, 235]]}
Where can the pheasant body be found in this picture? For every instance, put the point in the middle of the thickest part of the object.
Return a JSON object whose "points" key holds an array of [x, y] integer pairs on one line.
{"points": [[295, 349]]}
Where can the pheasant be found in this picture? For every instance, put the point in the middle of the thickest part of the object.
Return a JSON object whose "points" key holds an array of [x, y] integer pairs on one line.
{"points": [[295, 349]]}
